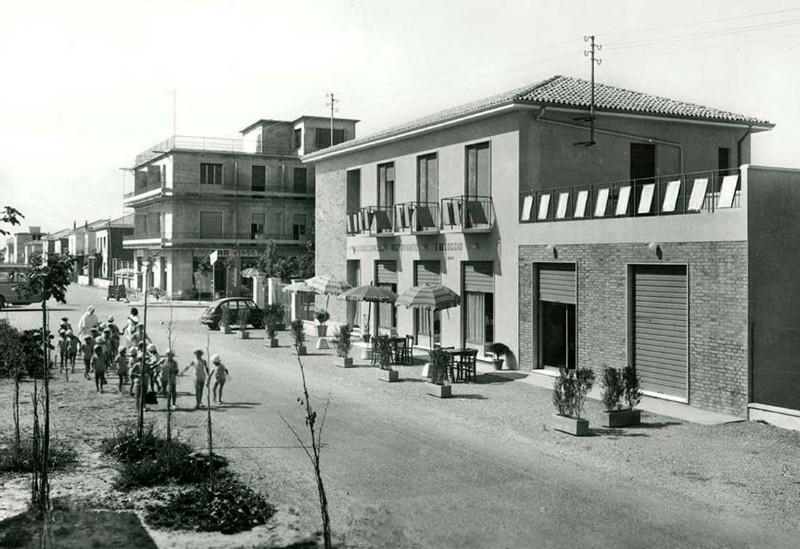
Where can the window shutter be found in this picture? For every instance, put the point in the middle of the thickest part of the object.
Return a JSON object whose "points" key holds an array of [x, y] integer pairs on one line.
{"points": [[386, 272], [479, 277]]}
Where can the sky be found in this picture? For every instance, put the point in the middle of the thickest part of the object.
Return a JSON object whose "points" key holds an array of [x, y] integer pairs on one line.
{"points": [[87, 85]]}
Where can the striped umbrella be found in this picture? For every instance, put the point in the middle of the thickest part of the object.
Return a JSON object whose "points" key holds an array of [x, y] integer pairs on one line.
{"points": [[328, 285], [250, 272], [433, 297], [297, 287], [371, 294]]}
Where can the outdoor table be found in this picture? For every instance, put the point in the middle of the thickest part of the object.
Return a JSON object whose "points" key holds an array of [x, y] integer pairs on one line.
{"points": [[397, 343], [462, 360]]}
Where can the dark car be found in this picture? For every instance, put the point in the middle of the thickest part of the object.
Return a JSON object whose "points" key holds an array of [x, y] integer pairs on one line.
{"points": [[212, 316]]}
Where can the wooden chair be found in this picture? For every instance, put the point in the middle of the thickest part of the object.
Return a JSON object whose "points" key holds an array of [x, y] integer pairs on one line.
{"points": [[399, 347], [408, 355]]}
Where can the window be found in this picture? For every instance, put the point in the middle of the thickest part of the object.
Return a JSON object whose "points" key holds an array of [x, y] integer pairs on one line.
{"points": [[300, 182], [724, 158], [478, 302], [257, 226], [210, 224], [386, 277], [322, 137], [258, 178], [298, 138], [428, 178], [478, 170], [298, 226], [353, 190], [210, 174], [386, 185]]}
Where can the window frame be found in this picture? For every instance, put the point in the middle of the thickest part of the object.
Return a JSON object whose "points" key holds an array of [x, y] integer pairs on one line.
{"points": [[214, 169], [476, 147]]}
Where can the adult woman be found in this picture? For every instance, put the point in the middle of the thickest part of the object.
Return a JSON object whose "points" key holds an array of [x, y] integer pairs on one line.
{"points": [[87, 322], [132, 323]]}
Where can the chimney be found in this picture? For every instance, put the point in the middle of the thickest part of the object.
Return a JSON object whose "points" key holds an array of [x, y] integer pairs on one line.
{"points": [[74, 225], [85, 224]]}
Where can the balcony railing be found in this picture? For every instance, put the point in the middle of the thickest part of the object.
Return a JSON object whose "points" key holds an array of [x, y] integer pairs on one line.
{"points": [[460, 213], [664, 195], [190, 143], [226, 188], [254, 239]]}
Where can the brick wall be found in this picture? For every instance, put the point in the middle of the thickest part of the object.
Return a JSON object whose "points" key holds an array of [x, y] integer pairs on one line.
{"points": [[718, 333], [331, 238]]}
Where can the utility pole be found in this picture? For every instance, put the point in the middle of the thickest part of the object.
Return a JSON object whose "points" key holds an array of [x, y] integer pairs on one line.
{"points": [[594, 61], [332, 101]]}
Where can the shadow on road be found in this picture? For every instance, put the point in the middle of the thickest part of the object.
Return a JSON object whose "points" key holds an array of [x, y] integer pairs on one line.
{"points": [[496, 378], [238, 405], [469, 397]]}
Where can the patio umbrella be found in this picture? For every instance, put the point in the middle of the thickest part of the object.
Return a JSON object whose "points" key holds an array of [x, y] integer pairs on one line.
{"points": [[433, 297], [328, 285], [371, 294], [250, 272], [297, 287]]}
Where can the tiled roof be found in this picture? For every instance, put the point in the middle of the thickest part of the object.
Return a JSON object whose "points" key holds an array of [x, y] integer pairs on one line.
{"points": [[562, 91]]}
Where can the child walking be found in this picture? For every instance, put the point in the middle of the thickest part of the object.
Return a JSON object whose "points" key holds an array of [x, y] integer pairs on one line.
{"points": [[73, 343], [200, 367], [63, 350], [122, 368], [87, 348], [99, 365], [219, 374], [169, 376]]}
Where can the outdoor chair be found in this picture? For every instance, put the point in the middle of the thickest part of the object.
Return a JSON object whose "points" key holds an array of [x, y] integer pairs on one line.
{"points": [[399, 348], [408, 354]]}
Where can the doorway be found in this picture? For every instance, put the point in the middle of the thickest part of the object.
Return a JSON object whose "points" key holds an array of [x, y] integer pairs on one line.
{"points": [[557, 334]]}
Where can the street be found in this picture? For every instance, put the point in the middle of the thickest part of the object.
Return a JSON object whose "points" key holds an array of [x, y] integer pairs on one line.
{"points": [[404, 469]]}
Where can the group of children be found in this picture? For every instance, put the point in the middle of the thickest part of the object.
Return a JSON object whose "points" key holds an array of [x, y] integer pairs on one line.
{"points": [[142, 363]]}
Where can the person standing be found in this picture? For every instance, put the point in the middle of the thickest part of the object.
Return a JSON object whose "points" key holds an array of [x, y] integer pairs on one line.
{"points": [[169, 376], [63, 351], [87, 322], [132, 324], [99, 365], [219, 374], [73, 344], [114, 339], [200, 367]]}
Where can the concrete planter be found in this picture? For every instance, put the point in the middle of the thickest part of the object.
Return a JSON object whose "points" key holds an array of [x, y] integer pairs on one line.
{"points": [[301, 350], [441, 391], [390, 376], [322, 330], [322, 343], [622, 418], [244, 334], [224, 328], [426, 370], [572, 426], [342, 362], [272, 343], [366, 354], [497, 363]]}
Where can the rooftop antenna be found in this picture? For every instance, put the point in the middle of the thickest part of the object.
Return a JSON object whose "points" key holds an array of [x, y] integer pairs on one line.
{"points": [[332, 101], [594, 61]]}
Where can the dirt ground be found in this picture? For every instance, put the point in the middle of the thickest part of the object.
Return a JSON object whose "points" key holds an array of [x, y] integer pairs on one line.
{"points": [[82, 418]]}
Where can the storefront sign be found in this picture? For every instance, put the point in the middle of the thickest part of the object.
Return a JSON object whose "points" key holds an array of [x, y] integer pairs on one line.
{"points": [[399, 248]]}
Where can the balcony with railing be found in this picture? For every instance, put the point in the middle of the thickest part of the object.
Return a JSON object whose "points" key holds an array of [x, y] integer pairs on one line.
{"points": [[183, 238], [688, 193], [227, 189], [468, 214]]}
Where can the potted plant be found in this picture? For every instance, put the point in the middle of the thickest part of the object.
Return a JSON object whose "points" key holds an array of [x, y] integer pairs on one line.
{"points": [[382, 348], [633, 394], [273, 315], [499, 350], [322, 317], [299, 335], [343, 344], [439, 363], [226, 320], [569, 395], [244, 316]]}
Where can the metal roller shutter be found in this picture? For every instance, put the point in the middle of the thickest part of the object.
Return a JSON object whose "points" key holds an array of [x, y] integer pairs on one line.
{"points": [[386, 272], [557, 283], [661, 332], [427, 272], [479, 277]]}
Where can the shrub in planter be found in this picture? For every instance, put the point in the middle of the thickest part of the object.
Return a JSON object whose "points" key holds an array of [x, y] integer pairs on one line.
{"points": [[322, 317], [614, 389], [342, 342], [633, 387], [228, 318], [569, 396], [273, 315], [499, 350], [299, 335], [382, 348], [439, 363], [244, 316]]}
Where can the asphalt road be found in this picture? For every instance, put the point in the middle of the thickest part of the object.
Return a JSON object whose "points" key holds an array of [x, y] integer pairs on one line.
{"points": [[404, 469]]}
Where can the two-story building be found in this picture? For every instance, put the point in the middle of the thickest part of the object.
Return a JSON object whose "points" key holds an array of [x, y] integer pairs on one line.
{"points": [[194, 196], [632, 242], [15, 249]]}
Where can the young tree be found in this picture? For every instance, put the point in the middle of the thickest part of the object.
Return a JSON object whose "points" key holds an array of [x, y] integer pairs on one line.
{"points": [[12, 354], [46, 279]]}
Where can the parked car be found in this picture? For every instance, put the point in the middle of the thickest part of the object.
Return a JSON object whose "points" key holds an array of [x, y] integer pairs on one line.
{"points": [[212, 316], [116, 291]]}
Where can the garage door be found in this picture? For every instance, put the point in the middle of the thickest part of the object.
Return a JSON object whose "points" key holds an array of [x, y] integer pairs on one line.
{"points": [[660, 329], [557, 283]]}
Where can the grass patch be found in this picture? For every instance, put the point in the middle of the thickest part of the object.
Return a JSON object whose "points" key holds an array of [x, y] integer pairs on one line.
{"points": [[154, 461], [21, 460], [226, 506]]}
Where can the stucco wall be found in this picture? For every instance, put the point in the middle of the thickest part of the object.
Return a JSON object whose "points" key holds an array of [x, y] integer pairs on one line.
{"points": [[718, 332]]}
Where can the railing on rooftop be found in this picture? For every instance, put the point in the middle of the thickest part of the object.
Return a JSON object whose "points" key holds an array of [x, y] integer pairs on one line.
{"points": [[664, 195], [193, 143]]}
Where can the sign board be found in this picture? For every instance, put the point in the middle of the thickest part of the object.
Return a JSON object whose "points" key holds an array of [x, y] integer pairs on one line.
{"points": [[213, 257]]}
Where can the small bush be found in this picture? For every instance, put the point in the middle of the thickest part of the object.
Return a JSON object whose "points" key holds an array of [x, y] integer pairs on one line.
{"points": [[227, 506], [382, 348], [126, 447], [497, 349], [322, 316], [298, 332], [342, 340], [570, 389], [440, 362], [613, 388], [633, 387], [273, 316], [21, 461]]}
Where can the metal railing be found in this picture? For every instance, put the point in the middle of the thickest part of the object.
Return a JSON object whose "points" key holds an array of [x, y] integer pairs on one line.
{"points": [[678, 194], [468, 213], [249, 237], [226, 187], [416, 217], [210, 144]]}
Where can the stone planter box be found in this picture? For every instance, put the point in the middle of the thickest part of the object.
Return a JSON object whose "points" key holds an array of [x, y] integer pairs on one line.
{"points": [[342, 362], [322, 343], [322, 330], [301, 350], [366, 354], [224, 328], [497, 363], [574, 427], [272, 343], [441, 391], [390, 376], [244, 334], [622, 418]]}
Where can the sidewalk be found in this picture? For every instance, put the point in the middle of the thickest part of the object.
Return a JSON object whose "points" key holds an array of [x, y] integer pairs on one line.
{"points": [[544, 380]]}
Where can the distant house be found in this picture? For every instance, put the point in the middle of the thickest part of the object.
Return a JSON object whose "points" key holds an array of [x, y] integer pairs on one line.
{"points": [[17, 249]]}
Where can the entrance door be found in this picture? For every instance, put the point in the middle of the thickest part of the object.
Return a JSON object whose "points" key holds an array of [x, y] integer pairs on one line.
{"points": [[660, 328], [557, 320], [643, 171]]}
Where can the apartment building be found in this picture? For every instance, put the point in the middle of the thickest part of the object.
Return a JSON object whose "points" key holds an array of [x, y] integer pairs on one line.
{"points": [[630, 238], [193, 196], [16, 245]]}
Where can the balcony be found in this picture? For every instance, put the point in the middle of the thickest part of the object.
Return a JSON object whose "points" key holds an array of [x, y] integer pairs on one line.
{"points": [[225, 190], [182, 239], [462, 214], [417, 218], [468, 214], [688, 193]]}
